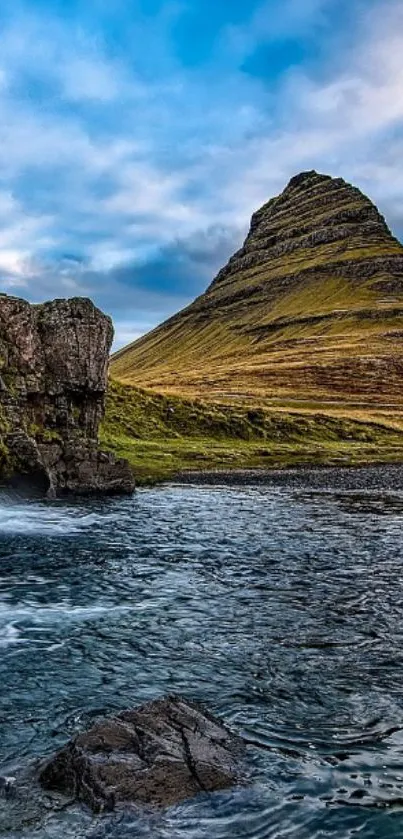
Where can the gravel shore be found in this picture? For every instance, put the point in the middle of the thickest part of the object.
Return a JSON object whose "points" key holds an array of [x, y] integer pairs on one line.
{"points": [[372, 477]]}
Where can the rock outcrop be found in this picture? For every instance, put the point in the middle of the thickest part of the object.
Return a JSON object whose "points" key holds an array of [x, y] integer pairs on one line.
{"points": [[53, 378], [160, 754], [313, 214], [310, 307]]}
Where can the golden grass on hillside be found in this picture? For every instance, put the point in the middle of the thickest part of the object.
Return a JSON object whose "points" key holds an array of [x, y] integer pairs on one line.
{"points": [[331, 326]]}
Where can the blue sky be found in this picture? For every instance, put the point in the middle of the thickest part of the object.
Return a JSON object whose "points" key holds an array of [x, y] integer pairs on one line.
{"points": [[138, 136]]}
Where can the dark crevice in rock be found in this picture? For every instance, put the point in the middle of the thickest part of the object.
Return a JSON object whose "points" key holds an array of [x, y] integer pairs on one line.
{"points": [[190, 762]]}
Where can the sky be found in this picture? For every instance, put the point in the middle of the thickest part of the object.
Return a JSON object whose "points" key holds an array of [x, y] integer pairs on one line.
{"points": [[138, 136]]}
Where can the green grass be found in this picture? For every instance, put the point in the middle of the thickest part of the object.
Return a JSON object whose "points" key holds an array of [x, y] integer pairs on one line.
{"points": [[164, 436]]}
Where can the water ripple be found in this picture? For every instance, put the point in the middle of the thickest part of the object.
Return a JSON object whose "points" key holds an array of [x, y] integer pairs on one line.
{"points": [[280, 607]]}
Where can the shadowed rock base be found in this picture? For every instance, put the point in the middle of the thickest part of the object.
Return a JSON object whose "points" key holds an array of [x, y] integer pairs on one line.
{"points": [[160, 754]]}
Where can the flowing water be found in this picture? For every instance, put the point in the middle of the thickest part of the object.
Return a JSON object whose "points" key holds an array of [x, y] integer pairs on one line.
{"points": [[278, 606]]}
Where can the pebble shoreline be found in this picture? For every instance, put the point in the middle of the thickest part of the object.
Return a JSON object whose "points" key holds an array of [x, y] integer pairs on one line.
{"points": [[389, 476]]}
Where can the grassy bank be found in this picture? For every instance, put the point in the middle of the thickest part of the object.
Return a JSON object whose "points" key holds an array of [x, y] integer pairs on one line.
{"points": [[162, 436]]}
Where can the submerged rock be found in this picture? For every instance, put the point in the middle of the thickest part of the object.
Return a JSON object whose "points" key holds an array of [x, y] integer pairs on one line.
{"points": [[53, 379], [160, 754]]}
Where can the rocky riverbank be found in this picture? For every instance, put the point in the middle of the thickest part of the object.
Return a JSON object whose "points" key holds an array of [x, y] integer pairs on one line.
{"points": [[346, 478]]}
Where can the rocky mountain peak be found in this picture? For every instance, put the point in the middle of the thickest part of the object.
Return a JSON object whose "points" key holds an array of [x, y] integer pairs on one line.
{"points": [[312, 211]]}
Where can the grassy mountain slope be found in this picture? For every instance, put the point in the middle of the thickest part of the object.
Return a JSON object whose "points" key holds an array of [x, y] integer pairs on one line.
{"points": [[307, 316], [293, 355], [163, 435]]}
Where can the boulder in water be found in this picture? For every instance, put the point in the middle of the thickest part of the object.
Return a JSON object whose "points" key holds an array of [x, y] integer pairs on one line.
{"points": [[160, 754]]}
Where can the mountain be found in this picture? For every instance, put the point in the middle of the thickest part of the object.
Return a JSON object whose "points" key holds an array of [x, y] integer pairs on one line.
{"points": [[308, 312]]}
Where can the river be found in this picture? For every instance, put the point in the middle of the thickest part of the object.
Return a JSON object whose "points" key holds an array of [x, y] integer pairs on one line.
{"points": [[278, 605]]}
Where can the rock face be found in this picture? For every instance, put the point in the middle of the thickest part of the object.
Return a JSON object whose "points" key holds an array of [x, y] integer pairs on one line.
{"points": [[53, 379], [162, 753], [311, 306], [313, 212]]}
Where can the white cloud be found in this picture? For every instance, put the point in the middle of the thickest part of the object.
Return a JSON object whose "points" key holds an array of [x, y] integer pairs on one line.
{"points": [[179, 158], [21, 236], [271, 21], [12, 265], [338, 125], [82, 78], [128, 331], [107, 255], [76, 63]]}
